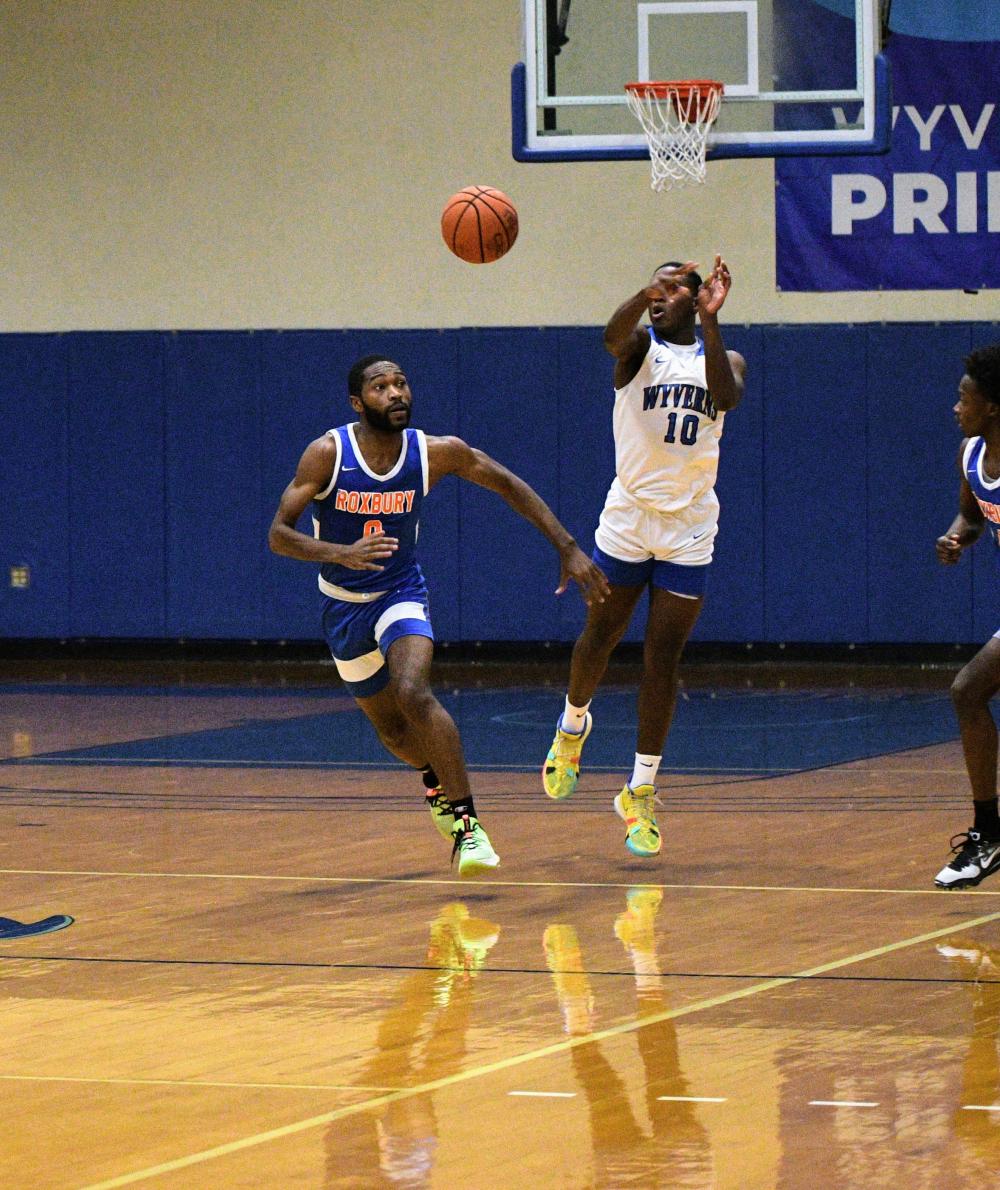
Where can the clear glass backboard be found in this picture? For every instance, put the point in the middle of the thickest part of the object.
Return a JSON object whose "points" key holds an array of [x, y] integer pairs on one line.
{"points": [[801, 76]]}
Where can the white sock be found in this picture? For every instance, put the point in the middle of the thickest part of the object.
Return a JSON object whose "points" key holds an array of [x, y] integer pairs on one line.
{"points": [[573, 718], [644, 770]]}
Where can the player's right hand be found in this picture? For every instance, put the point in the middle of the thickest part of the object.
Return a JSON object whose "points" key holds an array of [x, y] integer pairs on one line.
{"points": [[364, 554], [949, 548], [664, 279]]}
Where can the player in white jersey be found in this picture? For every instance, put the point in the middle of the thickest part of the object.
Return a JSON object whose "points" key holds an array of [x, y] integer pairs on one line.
{"points": [[660, 519], [978, 414]]}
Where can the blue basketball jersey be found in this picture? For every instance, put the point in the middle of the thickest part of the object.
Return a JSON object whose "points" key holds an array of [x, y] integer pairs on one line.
{"points": [[986, 491], [357, 502]]}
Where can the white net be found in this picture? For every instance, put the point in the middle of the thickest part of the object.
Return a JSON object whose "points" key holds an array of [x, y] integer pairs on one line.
{"points": [[676, 118]]}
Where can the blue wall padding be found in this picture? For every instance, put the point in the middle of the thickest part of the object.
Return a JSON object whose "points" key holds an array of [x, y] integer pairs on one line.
{"points": [[34, 485], [117, 498], [511, 385], [815, 467], [141, 471], [912, 490], [214, 492], [734, 601]]}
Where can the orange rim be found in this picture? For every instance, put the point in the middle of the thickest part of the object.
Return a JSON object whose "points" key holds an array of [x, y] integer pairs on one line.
{"points": [[683, 88]]}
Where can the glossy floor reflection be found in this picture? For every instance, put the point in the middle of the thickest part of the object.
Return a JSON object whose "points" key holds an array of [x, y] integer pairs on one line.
{"points": [[274, 979]]}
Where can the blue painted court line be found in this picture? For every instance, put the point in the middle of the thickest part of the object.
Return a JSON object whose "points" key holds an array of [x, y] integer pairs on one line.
{"points": [[760, 732]]}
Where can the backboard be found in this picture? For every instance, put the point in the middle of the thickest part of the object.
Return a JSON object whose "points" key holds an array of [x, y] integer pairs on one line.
{"points": [[802, 77]]}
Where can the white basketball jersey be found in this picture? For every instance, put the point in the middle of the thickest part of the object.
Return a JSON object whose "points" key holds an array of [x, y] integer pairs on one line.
{"points": [[667, 430]]}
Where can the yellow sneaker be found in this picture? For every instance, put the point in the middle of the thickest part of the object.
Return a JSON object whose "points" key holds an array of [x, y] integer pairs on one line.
{"points": [[635, 806], [561, 769], [473, 847]]}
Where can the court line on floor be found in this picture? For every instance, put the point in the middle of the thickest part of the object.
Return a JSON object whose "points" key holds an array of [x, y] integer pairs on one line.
{"points": [[559, 1047], [186, 1082], [481, 885]]}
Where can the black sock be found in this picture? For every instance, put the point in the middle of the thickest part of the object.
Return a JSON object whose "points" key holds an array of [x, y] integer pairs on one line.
{"points": [[987, 820], [430, 777], [463, 807]]}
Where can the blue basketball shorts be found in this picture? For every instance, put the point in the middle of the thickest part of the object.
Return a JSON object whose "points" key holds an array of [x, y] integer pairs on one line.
{"points": [[359, 634], [686, 581]]}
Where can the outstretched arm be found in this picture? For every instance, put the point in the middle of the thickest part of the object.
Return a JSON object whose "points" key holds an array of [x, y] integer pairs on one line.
{"points": [[452, 456], [965, 529], [312, 476], [724, 370]]}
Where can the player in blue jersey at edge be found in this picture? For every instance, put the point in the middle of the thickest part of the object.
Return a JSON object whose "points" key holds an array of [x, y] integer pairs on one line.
{"points": [[660, 518], [978, 414], [366, 482]]}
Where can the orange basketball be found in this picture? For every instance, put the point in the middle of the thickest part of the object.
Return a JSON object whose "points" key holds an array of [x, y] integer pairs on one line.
{"points": [[479, 224]]}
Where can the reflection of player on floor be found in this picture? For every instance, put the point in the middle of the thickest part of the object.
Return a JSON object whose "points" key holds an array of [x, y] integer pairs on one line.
{"points": [[421, 1038], [979, 965], [366, 482], [978, 414], [660, 518], [677, 1145], [9, 928]]}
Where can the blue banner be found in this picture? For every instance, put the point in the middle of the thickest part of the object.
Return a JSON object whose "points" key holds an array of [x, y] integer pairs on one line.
{"points": [[926, 215]]}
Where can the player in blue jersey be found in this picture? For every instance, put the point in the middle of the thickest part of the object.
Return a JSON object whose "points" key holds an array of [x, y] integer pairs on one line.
{"points": [[366, 482], [978, 413], [660, 518]]}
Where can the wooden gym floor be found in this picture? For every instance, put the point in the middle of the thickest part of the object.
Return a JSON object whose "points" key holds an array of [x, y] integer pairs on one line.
{"points": [[275, 980]]}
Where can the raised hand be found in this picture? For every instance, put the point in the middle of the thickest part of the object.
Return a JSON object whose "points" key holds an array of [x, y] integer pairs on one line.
{"points": [[665, 279], [714, 288]]}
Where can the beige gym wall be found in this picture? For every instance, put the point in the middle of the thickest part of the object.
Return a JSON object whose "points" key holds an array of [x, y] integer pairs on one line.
{"points": [[282, 163]]}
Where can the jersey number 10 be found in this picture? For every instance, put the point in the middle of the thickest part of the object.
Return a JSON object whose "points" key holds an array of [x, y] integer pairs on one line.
{"points": [[689, 429]]}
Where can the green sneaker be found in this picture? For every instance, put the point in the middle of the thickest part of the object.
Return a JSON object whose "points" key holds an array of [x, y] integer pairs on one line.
{"points": [[441, 812], [473, 847], [642, 835], [562, 765]]}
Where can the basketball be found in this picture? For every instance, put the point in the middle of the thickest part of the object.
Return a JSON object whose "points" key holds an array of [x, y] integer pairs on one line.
{"points": [[479, 224]]}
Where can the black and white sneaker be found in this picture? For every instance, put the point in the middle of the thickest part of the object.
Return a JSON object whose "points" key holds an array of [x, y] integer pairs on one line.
{"points": [[975, 859]]}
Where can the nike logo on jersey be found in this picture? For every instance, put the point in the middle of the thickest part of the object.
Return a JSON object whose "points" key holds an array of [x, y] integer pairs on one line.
{"points": [[348, 468]]}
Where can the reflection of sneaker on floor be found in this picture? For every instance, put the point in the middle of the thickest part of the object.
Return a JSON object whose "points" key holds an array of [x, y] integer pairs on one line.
{"points": [[562, 953], [635, 806], [405, 1160], [561, 770], [977, 962], [473, 847], [441, 813], [458, 945], [976, 858], [460, 940], [634, 929]]}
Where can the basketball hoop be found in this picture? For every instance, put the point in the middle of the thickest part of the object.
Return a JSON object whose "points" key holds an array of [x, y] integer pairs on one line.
{"points": [[676, 117]]}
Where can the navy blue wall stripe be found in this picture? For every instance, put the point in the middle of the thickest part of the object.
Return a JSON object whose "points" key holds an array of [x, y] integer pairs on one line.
{"points": [[141, 471]]}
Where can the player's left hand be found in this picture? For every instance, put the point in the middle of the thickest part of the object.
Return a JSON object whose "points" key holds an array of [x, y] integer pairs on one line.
{"points": [[576, 566], [714, 288]]}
